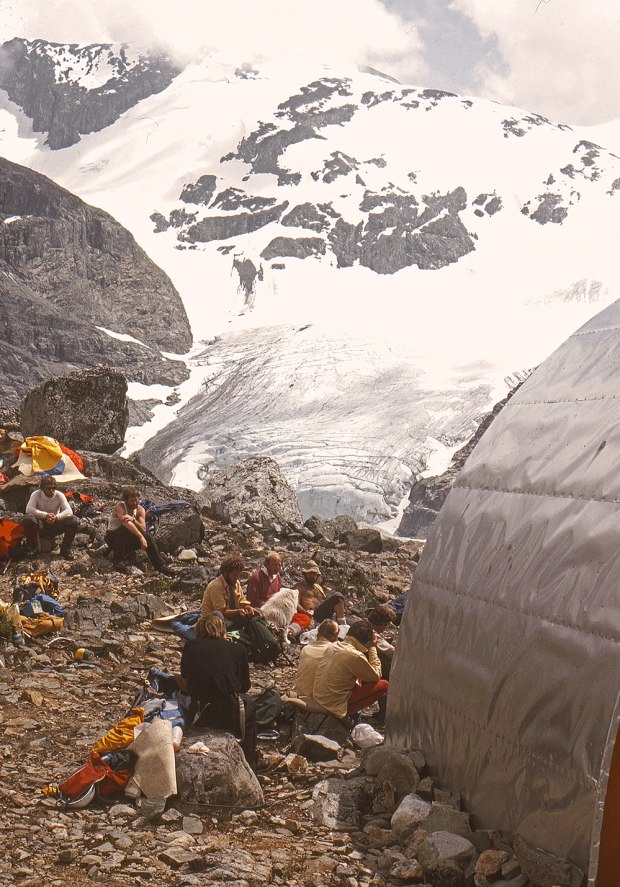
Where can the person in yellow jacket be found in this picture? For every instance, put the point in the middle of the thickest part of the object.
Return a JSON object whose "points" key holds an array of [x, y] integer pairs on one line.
{"points": [[225, 595], [348, 676], [311, 655]]}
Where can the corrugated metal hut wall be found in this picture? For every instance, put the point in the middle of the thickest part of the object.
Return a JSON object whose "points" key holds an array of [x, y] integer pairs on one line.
{"points": [[507, 669]]}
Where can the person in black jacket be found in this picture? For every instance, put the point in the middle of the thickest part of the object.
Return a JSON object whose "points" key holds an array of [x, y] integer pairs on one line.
{"points": [[217, 674]]}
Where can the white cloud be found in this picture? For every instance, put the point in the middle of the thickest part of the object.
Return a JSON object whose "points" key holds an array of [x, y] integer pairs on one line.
{"points": [[561, 56], [345, 30]]}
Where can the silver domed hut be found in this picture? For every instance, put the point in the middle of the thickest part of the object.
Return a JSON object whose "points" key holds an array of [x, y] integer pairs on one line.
{"points": [[507, 669]]}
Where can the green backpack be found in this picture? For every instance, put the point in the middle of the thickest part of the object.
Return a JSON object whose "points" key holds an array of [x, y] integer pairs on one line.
{"points": [[261, 643]]}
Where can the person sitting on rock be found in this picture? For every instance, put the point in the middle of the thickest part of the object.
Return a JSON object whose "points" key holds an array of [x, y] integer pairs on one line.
{"points": [[265, 582], [217, 675], [48, 514], [225, 594], [311, 655], [348, 676], [312, 601], [127, 532]]}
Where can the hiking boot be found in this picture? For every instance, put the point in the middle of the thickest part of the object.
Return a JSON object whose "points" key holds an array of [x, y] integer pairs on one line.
{"points": [[33, 548], [66, 553]]}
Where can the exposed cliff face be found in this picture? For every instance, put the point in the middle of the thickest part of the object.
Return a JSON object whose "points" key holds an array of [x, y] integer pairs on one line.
{"points": [[68, 91], [67, 268], [428, 494]]}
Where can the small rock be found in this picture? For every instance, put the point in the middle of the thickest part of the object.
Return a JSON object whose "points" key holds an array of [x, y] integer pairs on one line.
{"points": [[171, 815], [490, 862], [408, 870], [175, 857], [425, 789], [152, 808], [122, 811], [445, 845], [295, 763], [90, 860], [193, 825], [511, 869]]}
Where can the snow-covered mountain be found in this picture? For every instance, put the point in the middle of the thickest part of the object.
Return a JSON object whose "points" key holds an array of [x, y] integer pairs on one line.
{"points": [[371, 265]]}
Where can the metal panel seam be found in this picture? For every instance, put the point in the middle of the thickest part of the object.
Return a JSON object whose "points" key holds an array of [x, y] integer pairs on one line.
{"points": [[530, 615], [463, 485], [527, 403], [516, 743], [600, 329]]}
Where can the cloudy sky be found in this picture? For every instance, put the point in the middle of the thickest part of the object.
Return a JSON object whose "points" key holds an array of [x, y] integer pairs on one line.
{"points": [[558, 58]]}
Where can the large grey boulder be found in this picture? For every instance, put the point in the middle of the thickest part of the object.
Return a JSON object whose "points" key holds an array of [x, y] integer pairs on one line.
{"points": [[183, 528], [410, 813], [221, 776], [444, 846], [253, 491], [84, 411]]}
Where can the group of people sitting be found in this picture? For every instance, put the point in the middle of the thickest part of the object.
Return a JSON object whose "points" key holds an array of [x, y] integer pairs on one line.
{"points": [[343, 671], [343, 675], [49, 514], [225, 595]]}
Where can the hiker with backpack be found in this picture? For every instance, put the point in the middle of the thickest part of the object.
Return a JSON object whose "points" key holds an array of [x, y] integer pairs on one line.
{"points": [[127, 532]]}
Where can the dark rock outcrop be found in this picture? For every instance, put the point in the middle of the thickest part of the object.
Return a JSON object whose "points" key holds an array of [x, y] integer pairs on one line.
{"points": [[429, 493], [67, 270], [84, 410], [40, 79]]}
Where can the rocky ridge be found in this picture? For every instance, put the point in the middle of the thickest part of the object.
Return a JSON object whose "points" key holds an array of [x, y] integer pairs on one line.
{"points": [[68, 272], [428, 494], [48, 80]]}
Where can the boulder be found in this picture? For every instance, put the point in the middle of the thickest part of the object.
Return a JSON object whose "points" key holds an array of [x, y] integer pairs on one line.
{"points": [[222, 776], [444, 873], [332, 528], [183, 528], [444, 846], [411, 812], [255, 492], [314, 723], [444, 818], [365, 539], [400, 773], [316, 747], [339, 803], [84, 411]]}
